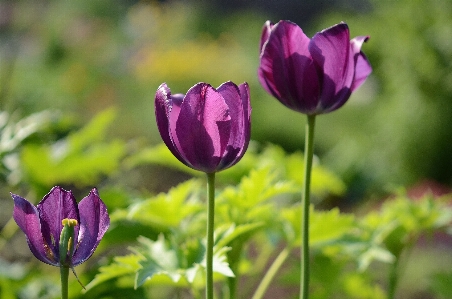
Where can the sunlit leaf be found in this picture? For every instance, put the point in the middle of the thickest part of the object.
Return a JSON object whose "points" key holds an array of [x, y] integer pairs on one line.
{"points": [[325, 227], [167, 210]]}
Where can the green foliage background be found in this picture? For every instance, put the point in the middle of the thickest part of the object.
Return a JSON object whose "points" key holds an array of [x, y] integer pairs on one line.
{"points": [[77, 81]]}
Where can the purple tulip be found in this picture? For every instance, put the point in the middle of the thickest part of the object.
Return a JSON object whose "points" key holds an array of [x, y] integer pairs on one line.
{"points": [[43, 225], [207, 129], [311, 76]]}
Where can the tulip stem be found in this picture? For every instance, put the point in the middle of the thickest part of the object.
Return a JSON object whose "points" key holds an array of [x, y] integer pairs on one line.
{"points": [[308, 155], [64, 272], [210, 229]]}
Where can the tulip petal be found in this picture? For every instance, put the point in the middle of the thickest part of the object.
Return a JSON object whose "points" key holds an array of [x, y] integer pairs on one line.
{"points": [[57, 205], [362, 65], [233, 99], [94, 222], [202, 129], [164, 106], [265, 33], [27, 218], [286, 68], [331, 52], [237, 99]]}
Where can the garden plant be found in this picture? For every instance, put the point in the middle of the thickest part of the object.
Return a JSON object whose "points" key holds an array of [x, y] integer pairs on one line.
{"points": [[204, 201]]}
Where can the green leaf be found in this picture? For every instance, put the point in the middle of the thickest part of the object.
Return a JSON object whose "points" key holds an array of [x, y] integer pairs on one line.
{"points": [[121, 266], [290, 168], [249, 201], [162, 258], [225, 234], [401, 220], [158, 258], [325, 227], [168, 210]]}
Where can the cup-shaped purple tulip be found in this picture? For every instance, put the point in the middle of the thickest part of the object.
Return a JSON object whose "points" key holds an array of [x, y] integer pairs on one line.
{"points": [[311, 76], [207, 129], [43, 226]]}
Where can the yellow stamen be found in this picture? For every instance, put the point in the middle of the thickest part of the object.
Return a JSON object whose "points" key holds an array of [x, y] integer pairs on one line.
{"points": [[69, 222]]}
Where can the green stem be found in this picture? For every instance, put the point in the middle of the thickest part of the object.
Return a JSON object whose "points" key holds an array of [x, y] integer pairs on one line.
{"points": [[210, 229], [276, 265], [308, 154], [234, 258], [64, 271], [393, 278]]}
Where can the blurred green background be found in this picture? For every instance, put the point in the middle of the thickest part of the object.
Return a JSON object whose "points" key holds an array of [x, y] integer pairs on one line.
{"points": [[77, 58], [78, 78]]}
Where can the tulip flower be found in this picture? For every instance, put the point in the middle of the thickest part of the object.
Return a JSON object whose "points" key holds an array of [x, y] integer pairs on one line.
{"points": [[311, 76], [59, 232], [208, 130]]}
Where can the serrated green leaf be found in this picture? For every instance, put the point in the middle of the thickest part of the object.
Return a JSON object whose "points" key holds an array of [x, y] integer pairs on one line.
{"points": [[167, 210], [158, 258], [225, 235], [290, 168], [325, 227], [245, 202]]}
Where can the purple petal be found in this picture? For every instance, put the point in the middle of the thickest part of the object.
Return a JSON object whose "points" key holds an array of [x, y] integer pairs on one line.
{"points": [[237, 99], [330, 50], [27, 218], [265, 33], [164, 107], [362, 65], [94, 222], [57, 205], [202, 129], [286, 68]]}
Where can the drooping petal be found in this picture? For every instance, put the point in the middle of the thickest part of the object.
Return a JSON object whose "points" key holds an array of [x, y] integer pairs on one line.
{"points": [[202, 129], [286, 68], [57, 205], [362, 65], [27, 218], [331, 52], [265, 34], [163, 108], [94, 222]]}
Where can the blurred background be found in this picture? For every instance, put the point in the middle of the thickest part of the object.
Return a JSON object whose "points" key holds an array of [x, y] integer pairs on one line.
{"points": [[77, 58], [64, 63], [74, 59]]}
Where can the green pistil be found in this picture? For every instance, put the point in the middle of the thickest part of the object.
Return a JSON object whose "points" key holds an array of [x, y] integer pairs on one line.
{"points": [[67, 241]]}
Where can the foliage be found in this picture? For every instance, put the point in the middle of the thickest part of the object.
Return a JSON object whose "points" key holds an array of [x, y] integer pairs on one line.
{"points": [[72, 60]]}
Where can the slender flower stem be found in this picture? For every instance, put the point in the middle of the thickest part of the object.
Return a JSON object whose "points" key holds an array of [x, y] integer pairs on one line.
{"points": [[308, 154], [64, 272], [393, 278], [210, 229], [265, 282]]}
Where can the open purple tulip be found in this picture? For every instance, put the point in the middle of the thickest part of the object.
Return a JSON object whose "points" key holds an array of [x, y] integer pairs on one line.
{"points": [[207, 129], [311, 76], [43, 225]]}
